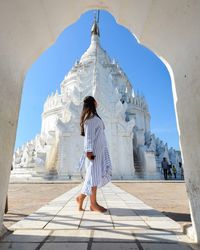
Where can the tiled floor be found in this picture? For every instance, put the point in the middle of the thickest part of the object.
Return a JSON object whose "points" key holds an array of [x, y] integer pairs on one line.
{"points": [[128, 224]]}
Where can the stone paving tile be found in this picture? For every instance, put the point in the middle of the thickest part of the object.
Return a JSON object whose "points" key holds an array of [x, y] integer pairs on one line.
{"points": [[51, 208], [150, 235], [38, 218], [113, 236], [97, 218], [39, 215], [29, 224], [96, 224], [67, 217], [148, 212], [158, 218], [18, 246], [164, 225], [123, 216], [64, 246], [69, 236], [116, 204], [114, 246], [68, 212], [95, 213], [121, 212], [70, 207], [153, 246], [27, 236], [63, 224], [136, 225], [134, 200], [126, 218], [43, 213]]}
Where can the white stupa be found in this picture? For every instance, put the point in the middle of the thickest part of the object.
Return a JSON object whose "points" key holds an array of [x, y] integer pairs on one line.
{"points": [[134, 151]]}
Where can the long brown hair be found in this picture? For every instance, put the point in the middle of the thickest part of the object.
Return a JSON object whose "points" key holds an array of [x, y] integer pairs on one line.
{"points": [[88, 111]]}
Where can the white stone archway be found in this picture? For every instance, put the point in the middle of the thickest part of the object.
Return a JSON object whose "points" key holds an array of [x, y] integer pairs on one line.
{"points": [[169, 28]]}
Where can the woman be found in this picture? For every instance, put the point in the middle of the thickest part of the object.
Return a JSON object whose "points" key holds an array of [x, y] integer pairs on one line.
{"points": [[95, 156]]}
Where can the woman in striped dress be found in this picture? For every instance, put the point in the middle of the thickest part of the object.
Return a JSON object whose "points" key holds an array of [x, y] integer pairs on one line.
{"points": [[96, 156]]}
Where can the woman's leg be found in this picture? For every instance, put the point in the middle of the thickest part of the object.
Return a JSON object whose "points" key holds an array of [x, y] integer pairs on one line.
{"points": [[80, 200], [93, 197], [94, 206], [86, 186]]}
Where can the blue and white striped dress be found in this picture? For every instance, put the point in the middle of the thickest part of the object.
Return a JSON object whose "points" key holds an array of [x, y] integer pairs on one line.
{"points": [[99, 170]]}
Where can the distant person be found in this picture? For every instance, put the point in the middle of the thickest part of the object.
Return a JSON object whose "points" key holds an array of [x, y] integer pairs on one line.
{"points": [[182, 173], [165, 167], [174, 170], [181, 170], [170, 170]]}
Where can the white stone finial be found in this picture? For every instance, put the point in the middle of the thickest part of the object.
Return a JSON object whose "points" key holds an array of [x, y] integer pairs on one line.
{"points": [[95, 28]]}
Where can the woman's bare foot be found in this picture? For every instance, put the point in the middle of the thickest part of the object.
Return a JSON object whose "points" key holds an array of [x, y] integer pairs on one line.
{"points": [[98, 208], [80, 200]]}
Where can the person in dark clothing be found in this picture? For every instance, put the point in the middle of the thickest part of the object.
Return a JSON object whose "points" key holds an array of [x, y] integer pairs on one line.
{"points": [[170, 170], [165, 168], [181, 170]]}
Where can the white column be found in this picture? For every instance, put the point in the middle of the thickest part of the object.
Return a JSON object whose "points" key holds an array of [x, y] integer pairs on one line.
{"points": [[9, 107], [188, 111]]}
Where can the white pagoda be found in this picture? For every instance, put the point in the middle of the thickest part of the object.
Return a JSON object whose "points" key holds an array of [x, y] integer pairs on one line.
{"points": [[55, 152]]}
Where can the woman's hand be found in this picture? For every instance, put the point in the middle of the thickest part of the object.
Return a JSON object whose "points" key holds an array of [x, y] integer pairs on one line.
{"points": [[90, 155]]}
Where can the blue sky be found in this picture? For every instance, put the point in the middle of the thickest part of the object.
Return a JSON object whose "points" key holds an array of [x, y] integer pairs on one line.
{"points": [[144, 69]]}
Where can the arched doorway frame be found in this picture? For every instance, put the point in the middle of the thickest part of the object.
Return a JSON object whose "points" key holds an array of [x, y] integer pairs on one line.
{"points": [[151, 26]]}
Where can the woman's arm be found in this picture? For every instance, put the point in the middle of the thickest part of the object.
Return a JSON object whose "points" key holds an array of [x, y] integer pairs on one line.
{"points": [[90, 155], [89, 128]]}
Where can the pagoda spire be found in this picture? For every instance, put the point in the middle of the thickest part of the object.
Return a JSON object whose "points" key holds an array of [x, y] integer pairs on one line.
{"points": [[95, 27]]}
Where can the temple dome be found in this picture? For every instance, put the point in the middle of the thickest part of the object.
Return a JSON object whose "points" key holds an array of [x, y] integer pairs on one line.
{"points": [[95, 52]]}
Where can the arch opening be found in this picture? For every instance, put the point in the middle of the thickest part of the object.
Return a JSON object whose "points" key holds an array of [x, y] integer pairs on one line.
{"points": [[137, 61]]}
